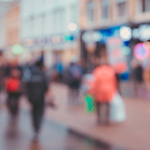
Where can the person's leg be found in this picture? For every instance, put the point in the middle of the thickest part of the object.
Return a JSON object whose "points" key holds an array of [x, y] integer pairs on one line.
{"points": [[70, 95], [38, 116], [76, 96], [107, 112], [34, 120], [98, 112]]}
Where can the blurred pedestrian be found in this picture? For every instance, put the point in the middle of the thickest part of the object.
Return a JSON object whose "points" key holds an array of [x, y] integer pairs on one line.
{"points": [[13, 88], [137, 76], [103, 88], [59, 70], [37, 87], [75, 73]]}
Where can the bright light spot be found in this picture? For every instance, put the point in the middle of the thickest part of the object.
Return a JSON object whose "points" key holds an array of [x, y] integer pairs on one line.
{"points": [[17, 49], [72, 27], [125, 33], [92, 36], [141, 51]]}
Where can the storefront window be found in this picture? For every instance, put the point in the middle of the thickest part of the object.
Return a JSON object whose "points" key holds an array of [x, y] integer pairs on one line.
{"points": [[90, 10], [106, 9], [144, 6], [121, 7]]}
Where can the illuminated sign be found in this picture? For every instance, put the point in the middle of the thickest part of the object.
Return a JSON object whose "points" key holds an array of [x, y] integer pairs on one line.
{"points": [[141, 51], [115, 54]]}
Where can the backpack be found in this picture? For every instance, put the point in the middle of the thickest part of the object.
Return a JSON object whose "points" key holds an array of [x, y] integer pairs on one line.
{"points": [[36, 86], [13, 85]]}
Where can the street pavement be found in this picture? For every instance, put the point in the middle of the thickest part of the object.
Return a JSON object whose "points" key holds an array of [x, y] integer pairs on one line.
{"points": [[17, 133], [133, 134], [71, 128]]}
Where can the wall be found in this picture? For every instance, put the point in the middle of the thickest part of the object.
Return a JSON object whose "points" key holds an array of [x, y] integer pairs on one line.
{"points": [[2, 32], [13, 25]]}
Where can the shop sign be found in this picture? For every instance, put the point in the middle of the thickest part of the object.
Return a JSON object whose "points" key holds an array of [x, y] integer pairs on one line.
{"points": [[115, 55], [28, 42], [91, 36], [40, 41]]}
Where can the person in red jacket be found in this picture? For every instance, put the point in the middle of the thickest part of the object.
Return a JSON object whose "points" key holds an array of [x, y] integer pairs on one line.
{"points": [[13, 84], [103, 88]]}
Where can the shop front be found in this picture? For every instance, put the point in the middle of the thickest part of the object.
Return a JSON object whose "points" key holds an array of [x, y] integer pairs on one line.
{"points": [[141, 45], [54, 48], [110, 44]]}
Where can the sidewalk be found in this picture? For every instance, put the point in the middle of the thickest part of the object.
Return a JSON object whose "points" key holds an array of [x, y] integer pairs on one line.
{"points": [[133, 134]]}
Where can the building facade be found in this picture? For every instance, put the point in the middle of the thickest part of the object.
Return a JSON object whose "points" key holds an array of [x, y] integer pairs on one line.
{"points": [[51, 26], [13, 25], [2, 32], [102, 20]]}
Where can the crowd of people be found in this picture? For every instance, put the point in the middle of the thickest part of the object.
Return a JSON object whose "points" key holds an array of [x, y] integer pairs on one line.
{"points": [[32, 80]]}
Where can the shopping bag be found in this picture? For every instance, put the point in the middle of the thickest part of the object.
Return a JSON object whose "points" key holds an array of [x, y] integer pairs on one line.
{"points": [[117, 109], [89, 103]]}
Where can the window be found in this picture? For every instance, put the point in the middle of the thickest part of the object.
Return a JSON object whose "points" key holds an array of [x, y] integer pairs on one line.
{"points": [[90, 11], [58, 20], [74, 13], [121, 8], [106, 9], [144, 6]]}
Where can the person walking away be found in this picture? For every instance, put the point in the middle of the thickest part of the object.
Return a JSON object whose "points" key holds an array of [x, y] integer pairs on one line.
{"points": [[59, 68], [13, 86], [36, 89], [103, 89], [138, 80], [75, 73]]}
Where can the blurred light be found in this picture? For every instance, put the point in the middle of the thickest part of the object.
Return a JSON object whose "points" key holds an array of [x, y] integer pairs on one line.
{"points": [[144, 32], [141, 51], [125, 33], [68, 38], [126, 50], [56, 39], [72, 26], [92, 36], [29, 42], [17, 49]]}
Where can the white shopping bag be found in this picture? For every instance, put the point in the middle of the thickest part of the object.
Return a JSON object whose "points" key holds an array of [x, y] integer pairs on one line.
{"points": [[117, 109]]}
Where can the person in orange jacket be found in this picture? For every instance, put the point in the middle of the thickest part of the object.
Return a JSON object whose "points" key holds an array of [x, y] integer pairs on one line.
{"points": [[103, 88]]}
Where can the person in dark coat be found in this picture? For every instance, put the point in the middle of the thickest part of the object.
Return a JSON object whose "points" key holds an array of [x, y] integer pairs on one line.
{"points": [[37, 87], [137, 75]]}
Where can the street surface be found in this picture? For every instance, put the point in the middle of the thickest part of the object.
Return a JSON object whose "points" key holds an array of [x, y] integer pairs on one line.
{"points": [[133, 134], [17, 135], [71, 128]]}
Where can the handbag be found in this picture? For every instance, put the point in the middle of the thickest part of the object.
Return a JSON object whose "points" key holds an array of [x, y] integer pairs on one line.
{"points": [[117, 109], [89, 103]]}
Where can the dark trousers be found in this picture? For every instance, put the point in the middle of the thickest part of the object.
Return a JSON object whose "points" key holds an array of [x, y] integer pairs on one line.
{"points": [[13, 103], [98, 108], [37, 115]]}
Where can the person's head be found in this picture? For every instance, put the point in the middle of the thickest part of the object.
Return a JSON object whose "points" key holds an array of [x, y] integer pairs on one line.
{"points": [[74, 59], [39, 64], [15, 73]]}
